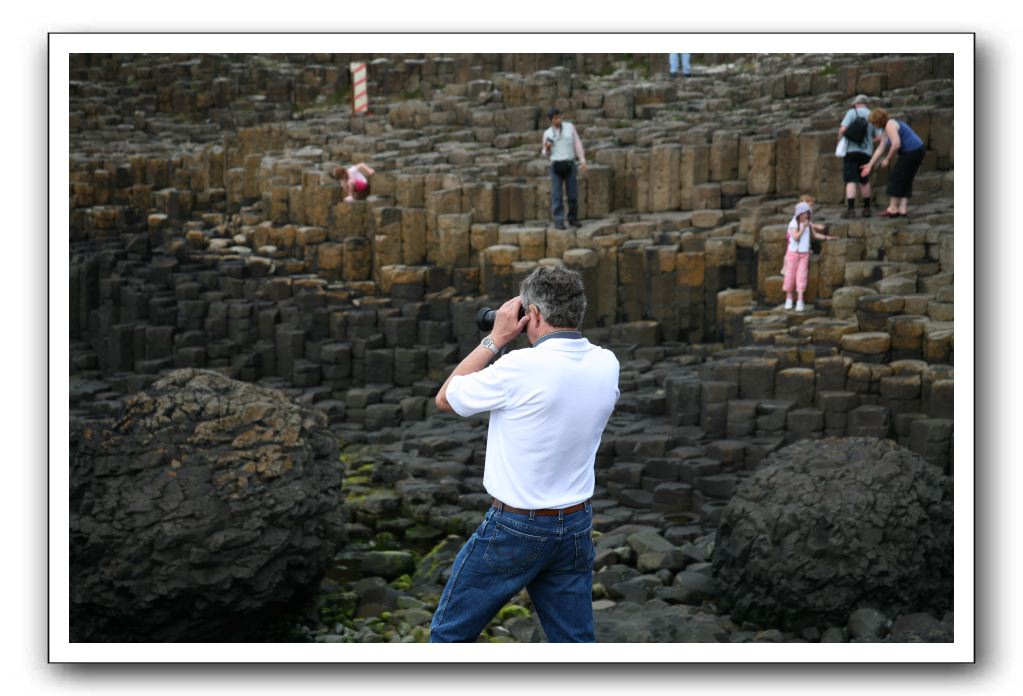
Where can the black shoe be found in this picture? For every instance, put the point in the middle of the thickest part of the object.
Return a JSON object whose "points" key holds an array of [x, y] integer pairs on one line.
{"points": [[559, 226], [848, 214], [866, 212], [575, 223]]}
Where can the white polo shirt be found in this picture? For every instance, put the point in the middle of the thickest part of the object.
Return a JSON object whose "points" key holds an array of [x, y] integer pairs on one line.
{"points": [[548, 407], [565, 144]]}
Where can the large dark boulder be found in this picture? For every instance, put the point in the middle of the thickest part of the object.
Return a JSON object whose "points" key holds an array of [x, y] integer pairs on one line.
{"points": [[829, 525], [206, 510]]}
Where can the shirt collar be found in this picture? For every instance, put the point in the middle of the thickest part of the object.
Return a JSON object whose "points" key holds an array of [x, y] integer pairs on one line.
{"points": [[569, 333]]}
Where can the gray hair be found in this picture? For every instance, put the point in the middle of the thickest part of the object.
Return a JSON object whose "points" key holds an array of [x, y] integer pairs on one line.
{"points": [[558, 293]]}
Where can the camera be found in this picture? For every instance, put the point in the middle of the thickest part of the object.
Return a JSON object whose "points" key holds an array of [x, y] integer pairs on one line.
{"points": [[486, 316]]}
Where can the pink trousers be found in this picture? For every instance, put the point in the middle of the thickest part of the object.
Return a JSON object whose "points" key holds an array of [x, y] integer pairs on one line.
{"points": [[797, 268]]}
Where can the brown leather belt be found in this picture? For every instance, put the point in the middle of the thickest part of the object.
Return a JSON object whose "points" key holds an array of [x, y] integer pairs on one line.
{"points": [[499, 506]]}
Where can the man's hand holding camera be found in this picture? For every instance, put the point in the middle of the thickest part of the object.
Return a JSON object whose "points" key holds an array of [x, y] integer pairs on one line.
{"points": [[509, 322]]}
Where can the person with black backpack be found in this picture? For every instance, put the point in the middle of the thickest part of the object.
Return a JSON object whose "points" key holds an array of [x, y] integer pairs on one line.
{"points": [[859, 134]]}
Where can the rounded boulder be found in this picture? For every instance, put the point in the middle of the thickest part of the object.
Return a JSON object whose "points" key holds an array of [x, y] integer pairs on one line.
{"points": [[206, 510], [826, 526]]}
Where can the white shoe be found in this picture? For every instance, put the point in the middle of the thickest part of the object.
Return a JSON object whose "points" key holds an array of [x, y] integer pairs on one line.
{"points": [[788, 303], [800, 306]]}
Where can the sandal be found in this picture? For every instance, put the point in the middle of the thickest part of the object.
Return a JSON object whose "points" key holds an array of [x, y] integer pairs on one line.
{"points": [[887, 214]]}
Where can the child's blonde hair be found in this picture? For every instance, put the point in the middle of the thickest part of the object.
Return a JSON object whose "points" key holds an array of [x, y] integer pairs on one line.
{"points": [[808, 199]]}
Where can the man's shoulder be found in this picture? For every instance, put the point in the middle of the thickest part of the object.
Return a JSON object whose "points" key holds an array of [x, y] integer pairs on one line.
{"points": [[529, 355], [598, 353], [518, 360], [601, 350]]}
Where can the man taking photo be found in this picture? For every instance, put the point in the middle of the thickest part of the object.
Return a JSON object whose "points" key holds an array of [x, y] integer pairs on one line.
{"points": [[548, 407]]}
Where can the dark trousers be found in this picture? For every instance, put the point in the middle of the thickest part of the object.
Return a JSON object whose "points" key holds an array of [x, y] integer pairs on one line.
{"points": [[552, 557], [900, 181], [563, 176]]}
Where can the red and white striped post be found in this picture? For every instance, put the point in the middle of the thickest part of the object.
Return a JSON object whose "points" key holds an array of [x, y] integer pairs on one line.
{"points": [[360, 97]]}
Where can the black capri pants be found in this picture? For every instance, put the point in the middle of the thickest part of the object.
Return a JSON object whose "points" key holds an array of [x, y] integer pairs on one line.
{"points": [[900, 183]]}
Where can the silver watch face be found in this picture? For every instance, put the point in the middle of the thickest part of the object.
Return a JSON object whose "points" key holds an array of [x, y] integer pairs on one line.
{"points": [[488, 343]]}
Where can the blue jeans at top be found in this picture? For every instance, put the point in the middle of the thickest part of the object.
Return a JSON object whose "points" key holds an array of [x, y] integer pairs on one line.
{"points": [[557, 195], [552, 557], [673, 60]]}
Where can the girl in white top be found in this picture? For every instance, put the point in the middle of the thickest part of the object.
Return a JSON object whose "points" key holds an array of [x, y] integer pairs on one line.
{"points": [[797, 256]]}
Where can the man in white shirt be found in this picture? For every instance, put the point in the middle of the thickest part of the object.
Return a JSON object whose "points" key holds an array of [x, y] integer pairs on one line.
{"points": [[562, 145], [548, 407]]}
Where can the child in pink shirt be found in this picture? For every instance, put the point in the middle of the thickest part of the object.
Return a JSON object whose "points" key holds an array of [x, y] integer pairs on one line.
{"points": [[354, 180]]}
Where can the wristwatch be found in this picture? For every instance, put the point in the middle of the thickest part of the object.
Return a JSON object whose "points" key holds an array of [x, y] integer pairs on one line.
{"points": [[488, 343]]}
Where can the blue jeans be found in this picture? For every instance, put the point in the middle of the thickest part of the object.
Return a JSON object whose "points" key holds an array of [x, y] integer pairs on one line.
{"points": [[567, 181], [673, 61], [552, 557]]}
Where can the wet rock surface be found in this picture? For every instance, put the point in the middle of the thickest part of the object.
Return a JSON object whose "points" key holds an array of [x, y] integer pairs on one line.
{"points": [[208, 508]]}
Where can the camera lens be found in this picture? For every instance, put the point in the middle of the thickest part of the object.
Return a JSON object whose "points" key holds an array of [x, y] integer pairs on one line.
{"points": [[485, 318]]}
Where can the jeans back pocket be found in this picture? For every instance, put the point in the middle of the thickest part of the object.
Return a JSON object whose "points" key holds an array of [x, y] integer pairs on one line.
{"points": [[585, 553], [512, 551]]}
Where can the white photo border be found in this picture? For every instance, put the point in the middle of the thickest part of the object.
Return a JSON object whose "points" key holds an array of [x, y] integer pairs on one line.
{"points": [[61, 45]]}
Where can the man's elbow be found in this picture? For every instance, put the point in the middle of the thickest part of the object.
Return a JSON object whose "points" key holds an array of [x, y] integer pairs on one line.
{"points": [[442, 403]]}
